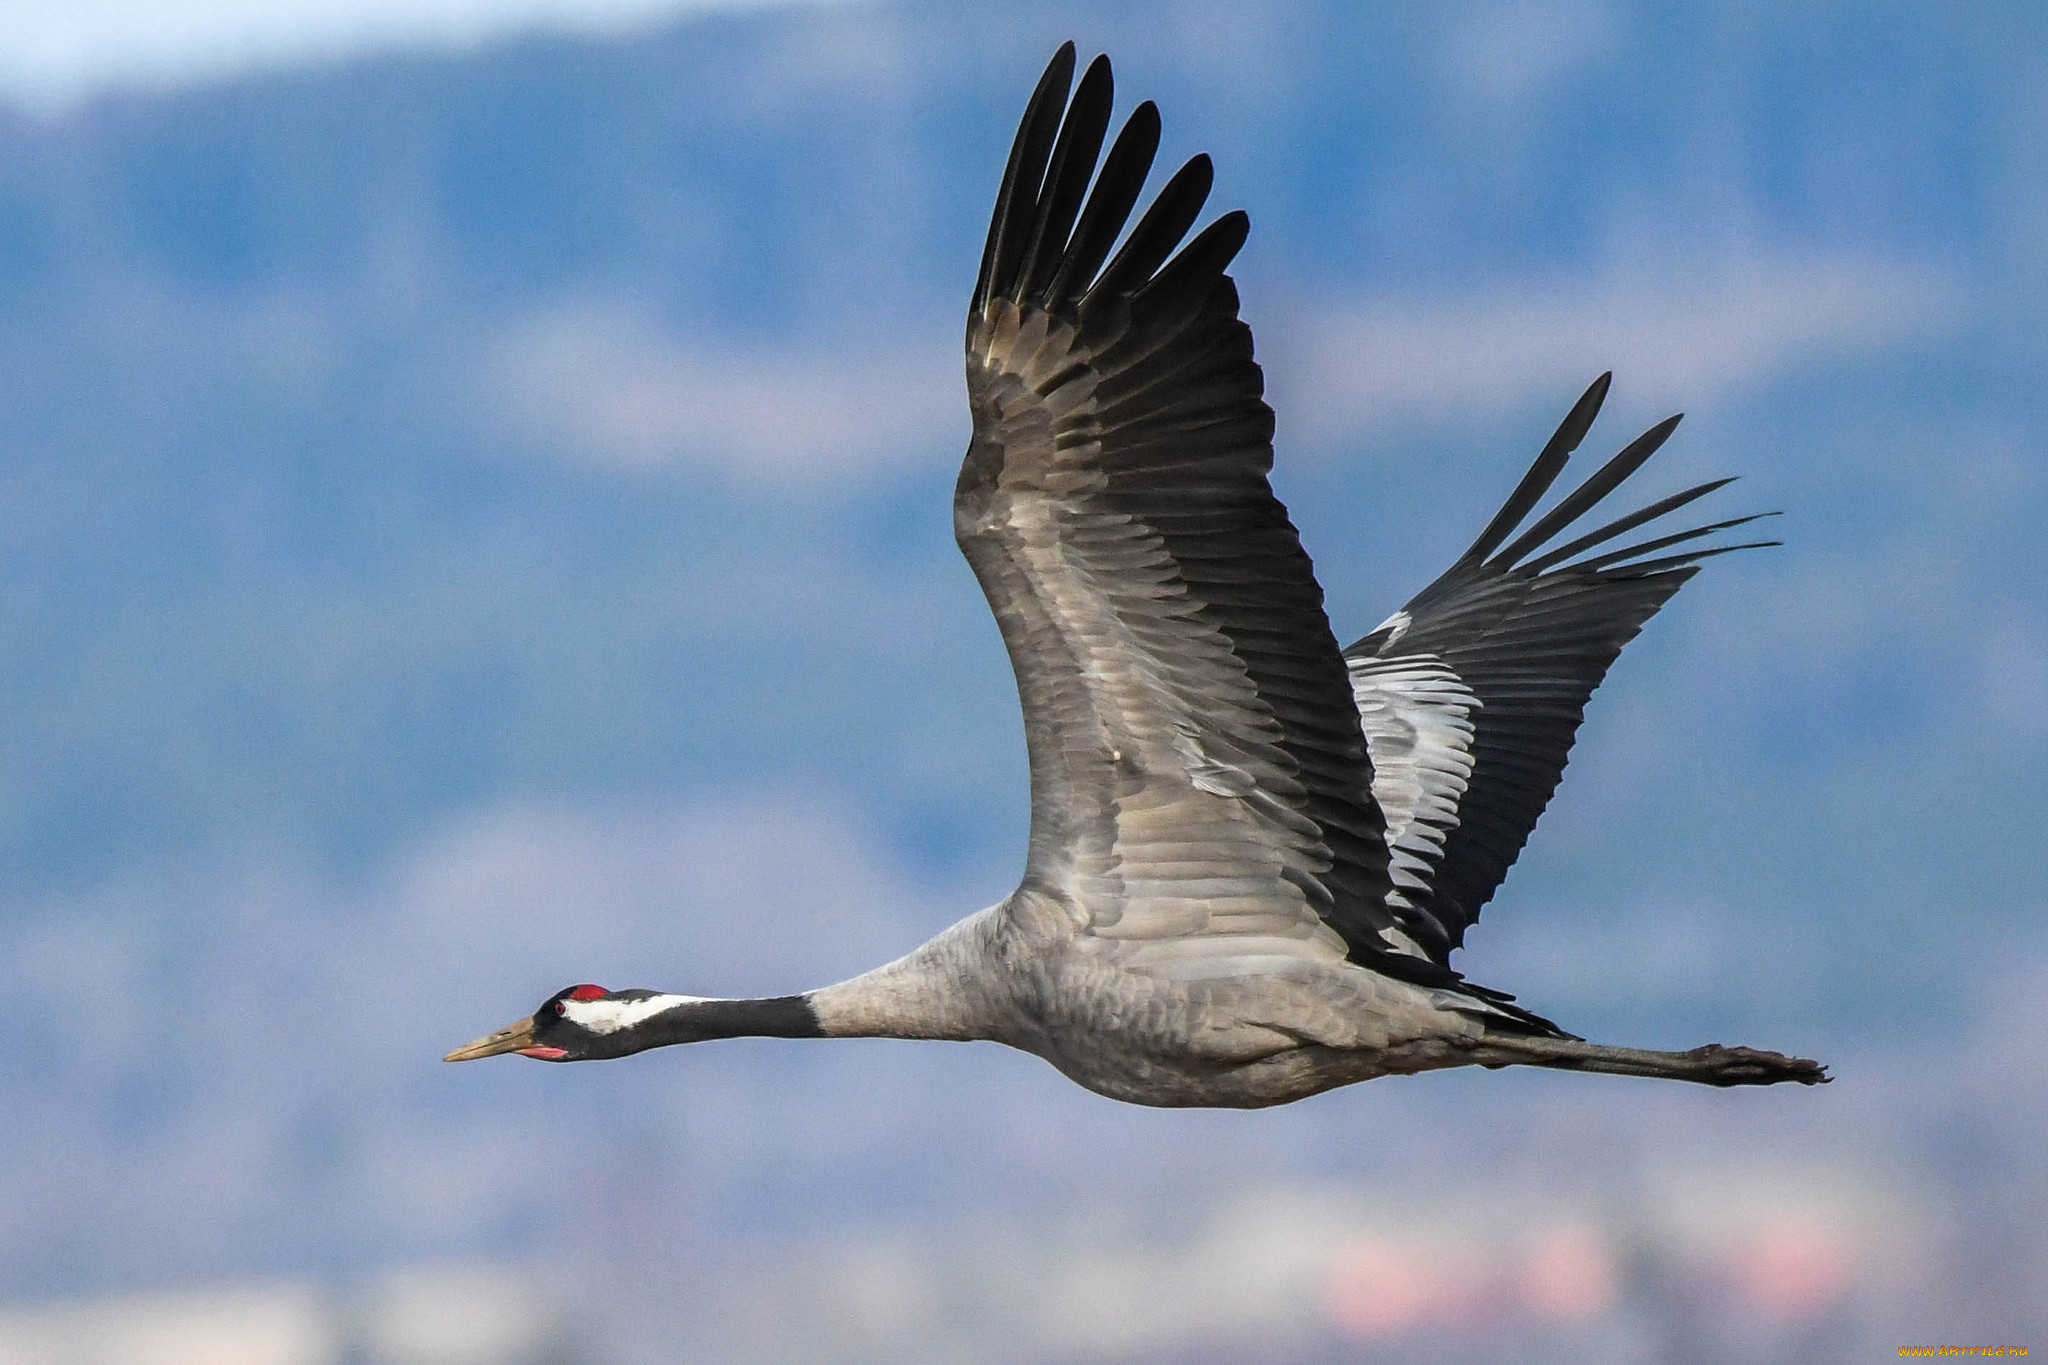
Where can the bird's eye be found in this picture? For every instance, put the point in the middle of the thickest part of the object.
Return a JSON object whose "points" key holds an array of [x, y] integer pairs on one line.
{"points": [[561, 1008]]}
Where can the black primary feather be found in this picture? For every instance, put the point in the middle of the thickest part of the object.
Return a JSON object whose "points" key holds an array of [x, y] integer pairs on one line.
{"points": [[1531, 635]]}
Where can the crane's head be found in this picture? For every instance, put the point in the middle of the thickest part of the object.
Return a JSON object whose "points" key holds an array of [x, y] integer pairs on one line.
{"points": [[584, 1023], [572, 1025]]}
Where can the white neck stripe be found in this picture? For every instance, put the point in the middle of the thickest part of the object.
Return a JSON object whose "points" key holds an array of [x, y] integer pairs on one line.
{"points": [[609, 1016]]}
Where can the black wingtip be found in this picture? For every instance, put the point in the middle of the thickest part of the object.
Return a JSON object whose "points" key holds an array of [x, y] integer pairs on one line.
{"points": [[1117, 188], [1543, 473], [1644, 568], [1172, 213], [1051, 231], [1604, 480], [1010, 228], [1209, 254], [1066, 178], [1629, 523]]}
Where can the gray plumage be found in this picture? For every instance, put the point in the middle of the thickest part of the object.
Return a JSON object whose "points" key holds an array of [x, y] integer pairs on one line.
{"points": [[1251, 852]]}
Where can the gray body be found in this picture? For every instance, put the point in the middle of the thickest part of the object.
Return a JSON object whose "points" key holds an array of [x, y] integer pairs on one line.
{"points": [[1247, 1039], [1015, 974], [1252, 853]]}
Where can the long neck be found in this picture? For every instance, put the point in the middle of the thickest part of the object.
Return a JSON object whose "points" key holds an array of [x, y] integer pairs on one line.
{"points": [[945, 989], [671, 1019], [952, 987]]}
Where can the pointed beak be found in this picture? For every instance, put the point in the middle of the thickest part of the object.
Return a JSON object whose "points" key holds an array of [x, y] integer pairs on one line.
{"points": [[514, 1039]]}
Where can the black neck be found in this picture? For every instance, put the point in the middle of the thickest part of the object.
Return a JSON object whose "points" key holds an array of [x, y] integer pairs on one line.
{"points": [[782, 1016]]}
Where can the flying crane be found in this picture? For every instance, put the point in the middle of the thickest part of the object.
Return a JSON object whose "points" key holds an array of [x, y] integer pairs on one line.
{"points": [[1251, 853]]}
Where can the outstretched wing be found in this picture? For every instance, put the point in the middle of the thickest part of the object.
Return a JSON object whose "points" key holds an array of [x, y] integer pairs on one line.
{"points": [[1472, 693], [1200, 792]]}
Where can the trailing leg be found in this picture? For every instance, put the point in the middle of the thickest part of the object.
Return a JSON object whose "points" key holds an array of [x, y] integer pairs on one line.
{"points": [[1709, 1065]]}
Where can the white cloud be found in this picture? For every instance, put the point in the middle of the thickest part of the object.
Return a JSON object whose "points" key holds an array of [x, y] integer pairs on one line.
{"points": [[603, 385], [272, 1325], [751, 895], [1678, 333], [54, 51], [459, 1315]]}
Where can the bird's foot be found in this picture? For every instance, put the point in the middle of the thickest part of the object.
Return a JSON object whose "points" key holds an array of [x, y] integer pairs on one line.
{"points": [[1718, 1065]]}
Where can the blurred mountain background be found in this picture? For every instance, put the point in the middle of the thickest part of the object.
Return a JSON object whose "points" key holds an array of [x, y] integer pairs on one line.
{"points": [[476, 518]]}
